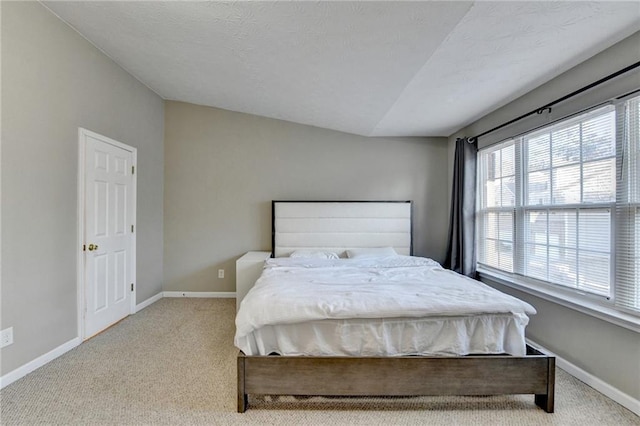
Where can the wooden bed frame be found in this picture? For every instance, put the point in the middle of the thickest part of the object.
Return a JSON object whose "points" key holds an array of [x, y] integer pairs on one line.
{"points": [[398, 376], [533, 373]]}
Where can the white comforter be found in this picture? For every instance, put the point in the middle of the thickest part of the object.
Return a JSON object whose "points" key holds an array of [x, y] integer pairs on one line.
{"points": [[298, 290]]}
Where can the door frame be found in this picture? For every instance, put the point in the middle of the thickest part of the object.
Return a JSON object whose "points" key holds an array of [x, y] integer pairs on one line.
{"points": [[80, 274]]}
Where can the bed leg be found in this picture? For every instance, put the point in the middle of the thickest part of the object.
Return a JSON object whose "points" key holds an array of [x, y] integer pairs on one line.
{"points": [[546, 400], [243, 400], [243, 403]]}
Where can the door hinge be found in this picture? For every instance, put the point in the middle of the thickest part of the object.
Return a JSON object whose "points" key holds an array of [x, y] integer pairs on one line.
{"points": [[131, 228], [131, 286], [133, 170]]}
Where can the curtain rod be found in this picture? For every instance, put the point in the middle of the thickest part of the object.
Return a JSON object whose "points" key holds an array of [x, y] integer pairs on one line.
{"points": [[548, 106]]}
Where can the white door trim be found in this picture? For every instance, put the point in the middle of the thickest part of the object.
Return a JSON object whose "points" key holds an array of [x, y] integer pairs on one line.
{"points": [[80, 271]]}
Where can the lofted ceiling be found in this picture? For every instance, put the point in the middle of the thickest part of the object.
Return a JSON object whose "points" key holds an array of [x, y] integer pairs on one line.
{"points": [[370, 68]]}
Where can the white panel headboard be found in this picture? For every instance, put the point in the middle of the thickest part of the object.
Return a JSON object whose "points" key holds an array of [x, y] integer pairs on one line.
{"points": [[340, 225]]}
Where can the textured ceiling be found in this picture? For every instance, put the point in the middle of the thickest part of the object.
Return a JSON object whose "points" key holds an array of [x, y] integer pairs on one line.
{"points": [[369, 68]]}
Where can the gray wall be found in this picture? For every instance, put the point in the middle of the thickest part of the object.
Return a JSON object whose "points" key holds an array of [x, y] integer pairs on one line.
{"points": [[54, 81], [222, 169], [607, 351]]}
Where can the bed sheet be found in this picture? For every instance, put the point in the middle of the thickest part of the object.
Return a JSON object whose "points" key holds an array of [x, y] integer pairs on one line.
{"points": [[398, 305], [443, 336]]}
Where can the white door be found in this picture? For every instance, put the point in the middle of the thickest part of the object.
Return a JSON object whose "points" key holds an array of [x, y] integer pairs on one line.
{"points": [[109, 244]]}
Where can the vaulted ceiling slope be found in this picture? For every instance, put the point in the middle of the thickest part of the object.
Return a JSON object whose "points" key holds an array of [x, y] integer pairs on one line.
{"points": [[369, 68]]}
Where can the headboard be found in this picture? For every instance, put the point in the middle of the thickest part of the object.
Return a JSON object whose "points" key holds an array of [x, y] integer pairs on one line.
{"points": [[340, 225]]}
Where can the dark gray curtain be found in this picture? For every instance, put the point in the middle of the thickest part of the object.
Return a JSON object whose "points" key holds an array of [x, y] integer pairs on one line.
{"points": [[461, 255]]}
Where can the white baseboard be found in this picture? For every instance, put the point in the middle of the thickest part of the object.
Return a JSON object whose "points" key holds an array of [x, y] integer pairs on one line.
{"points": [[600, 385], [203, 294], [20, 372], [148, 302], [199, 294]]}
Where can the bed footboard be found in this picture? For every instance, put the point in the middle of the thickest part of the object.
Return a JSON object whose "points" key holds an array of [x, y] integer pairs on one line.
{"points": [[398, 376]]}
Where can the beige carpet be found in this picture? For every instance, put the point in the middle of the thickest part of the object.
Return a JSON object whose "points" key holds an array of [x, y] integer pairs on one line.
{"points": [[174, 363]]}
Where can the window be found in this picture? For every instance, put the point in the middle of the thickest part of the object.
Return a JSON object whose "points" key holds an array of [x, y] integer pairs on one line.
{"points": [[627, 230], [561, 205], [499, 200]]}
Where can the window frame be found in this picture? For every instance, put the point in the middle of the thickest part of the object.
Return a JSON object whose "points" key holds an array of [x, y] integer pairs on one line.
{"points": [[600, 306]]}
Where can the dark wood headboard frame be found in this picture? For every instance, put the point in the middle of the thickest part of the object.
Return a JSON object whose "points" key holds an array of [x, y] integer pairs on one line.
{"points": [[273, 215]]}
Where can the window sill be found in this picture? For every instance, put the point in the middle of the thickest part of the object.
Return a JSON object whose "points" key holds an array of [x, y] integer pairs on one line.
{"points": [[583, 305]]}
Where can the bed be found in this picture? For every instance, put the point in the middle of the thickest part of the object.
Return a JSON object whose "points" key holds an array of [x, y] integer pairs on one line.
{"points": [[295, 366]]}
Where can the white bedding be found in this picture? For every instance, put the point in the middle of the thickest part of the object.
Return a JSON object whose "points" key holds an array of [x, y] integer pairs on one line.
{"points": [[441, 336], [295, 291]]}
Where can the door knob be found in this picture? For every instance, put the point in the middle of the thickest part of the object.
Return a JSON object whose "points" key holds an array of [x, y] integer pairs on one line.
{"points": [[93, 247]]}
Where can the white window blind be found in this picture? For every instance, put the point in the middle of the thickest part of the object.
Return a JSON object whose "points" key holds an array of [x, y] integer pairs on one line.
{"points": [[561, 205], [498, 199], [627, 246]]}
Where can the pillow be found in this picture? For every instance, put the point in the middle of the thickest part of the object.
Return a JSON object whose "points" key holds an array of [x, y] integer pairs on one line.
{"points": [[371, 252], [313, 254]]}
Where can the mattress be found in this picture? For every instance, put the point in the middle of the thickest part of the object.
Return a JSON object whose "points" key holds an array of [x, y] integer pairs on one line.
{"points": [[399, 305]]}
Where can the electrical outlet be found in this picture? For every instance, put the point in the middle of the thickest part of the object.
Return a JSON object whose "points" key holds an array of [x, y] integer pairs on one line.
{"points": [[6, 337], [220, 273]]}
